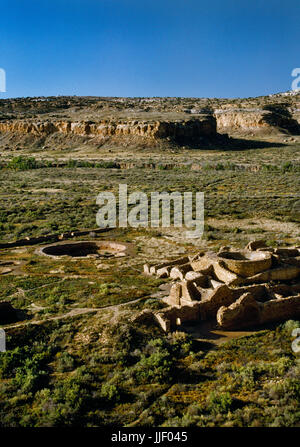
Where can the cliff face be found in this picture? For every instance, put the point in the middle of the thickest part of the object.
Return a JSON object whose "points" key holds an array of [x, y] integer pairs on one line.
{"points": [[255, 120], [204, 126], [235, 119], [151, 117], [197, 132]]}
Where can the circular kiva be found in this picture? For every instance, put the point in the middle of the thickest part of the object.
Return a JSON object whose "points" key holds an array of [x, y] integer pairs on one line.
{"points": [[246, 263], [89, 249]]}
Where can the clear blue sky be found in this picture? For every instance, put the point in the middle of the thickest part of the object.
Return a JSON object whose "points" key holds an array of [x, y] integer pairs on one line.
{"points": [[220, 48]]}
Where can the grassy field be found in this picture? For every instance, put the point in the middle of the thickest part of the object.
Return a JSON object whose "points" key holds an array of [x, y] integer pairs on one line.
{"points": [[88, 372], [39, 200], [99, 368]]}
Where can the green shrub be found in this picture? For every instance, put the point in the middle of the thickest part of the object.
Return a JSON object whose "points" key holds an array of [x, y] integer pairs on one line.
{"points": [[66, 362], [219, 402], [110, 392], [9, 361], [154, 368], [31, 374], [290, 325], [22, 163]]}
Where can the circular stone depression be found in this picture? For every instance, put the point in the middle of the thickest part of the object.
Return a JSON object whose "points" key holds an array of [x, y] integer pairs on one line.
{"points": [[83, 249], [246, 263]]}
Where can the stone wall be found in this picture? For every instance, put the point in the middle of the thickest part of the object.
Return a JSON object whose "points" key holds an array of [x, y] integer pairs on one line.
{"points": [[236, 288]]}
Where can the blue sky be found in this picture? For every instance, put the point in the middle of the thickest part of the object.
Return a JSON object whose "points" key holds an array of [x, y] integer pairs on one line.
{"points": [[222, 48]]}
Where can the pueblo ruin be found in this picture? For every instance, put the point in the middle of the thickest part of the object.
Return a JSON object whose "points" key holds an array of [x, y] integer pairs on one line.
{"points": [[237, 288]]}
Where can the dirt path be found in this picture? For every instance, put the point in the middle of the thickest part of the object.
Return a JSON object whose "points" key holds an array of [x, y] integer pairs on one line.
{"points": [[75, 312]]}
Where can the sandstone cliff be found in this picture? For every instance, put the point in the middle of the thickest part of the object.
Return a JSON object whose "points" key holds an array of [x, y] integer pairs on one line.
{"points": [[197, 122], [193, 129], [256, 120]]}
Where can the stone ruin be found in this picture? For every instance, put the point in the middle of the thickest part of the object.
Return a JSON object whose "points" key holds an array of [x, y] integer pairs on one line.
{"points": [[237, 288], [86, 249]]}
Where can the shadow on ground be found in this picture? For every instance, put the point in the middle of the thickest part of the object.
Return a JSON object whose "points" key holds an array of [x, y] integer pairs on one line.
{"points": [[224, 142]]}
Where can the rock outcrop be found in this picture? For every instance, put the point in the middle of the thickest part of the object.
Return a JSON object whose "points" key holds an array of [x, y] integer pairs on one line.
{"points": [[272, 114], [256, 121], [179, 130]]}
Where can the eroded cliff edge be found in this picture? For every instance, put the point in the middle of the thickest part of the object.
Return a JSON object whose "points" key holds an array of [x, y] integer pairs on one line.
{"points": [[150, 121], [159, 129]]}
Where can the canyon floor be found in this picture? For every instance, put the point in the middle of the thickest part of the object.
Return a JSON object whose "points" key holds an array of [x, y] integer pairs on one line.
{"points": [[75, 355]]}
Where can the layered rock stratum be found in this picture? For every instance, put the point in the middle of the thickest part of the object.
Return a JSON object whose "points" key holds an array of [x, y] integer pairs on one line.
{"points": [[193, 128], [180, 120], [256, 120]]}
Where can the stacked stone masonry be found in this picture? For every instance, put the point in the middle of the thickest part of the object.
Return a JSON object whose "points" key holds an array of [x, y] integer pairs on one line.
{"points": [[238, 289]]}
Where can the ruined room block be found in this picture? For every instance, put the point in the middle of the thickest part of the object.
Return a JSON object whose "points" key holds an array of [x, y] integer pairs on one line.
{"points": [[225, 275], [189, 292], [204, 263], [163, 321], [219, 287], [192, 276], [164, 272], [153, 268], [280, 309], [214, 284], [179, 271], [284, 273], [259, 292], [197, 256], [246, 263], [255, 245], [175, 294], [293, 261], [287, 252], [280, 289], [243, 312], [198, 278], [143, 317], [212, 299], [187, 313]]}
